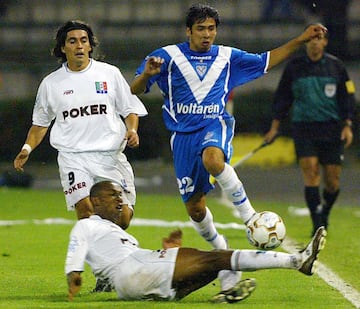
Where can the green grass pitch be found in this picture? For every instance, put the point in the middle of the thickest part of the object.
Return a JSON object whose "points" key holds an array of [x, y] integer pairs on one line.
{"points": [[32, 255]]}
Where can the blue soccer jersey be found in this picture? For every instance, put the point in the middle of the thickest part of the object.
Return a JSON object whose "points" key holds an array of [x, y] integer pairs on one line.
{"points": [[196, 85]]}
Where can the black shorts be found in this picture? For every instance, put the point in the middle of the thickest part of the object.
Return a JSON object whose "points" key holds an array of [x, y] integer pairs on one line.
{"points": [[328, 152]]}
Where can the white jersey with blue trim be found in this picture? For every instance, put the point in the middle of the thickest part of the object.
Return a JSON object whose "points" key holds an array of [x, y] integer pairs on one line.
{"points": [[196, 85]]}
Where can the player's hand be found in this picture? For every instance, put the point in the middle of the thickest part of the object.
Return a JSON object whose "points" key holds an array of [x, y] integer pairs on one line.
{"points": [[74, 284], [313, 31], [174, 240], [270, 136], [347, 136], [132, 138], [153, 66], [20, 160]]}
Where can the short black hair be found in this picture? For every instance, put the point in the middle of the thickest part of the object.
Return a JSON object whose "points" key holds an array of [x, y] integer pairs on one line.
{"points": [[61, 37], [199, 13], [99, 187]]}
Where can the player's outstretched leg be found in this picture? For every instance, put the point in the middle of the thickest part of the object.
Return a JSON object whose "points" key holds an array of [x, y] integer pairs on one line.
{"points": [[310, 253], [206, 228], [239, 292]]}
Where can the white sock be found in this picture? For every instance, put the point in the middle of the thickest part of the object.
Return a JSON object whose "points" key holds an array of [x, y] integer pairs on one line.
{"points": [[206, 228], [251, 260], [234, 190]]}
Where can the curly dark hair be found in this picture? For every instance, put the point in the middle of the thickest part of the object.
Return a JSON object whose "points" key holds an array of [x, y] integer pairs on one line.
{"points": [[199, 12], [61, 37]]}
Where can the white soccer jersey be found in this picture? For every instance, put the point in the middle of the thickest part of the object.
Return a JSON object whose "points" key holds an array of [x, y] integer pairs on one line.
{"points": [[101, 243], [114, 254], [87, 107]]}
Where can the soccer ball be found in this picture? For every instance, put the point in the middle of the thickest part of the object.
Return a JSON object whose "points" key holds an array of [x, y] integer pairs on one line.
{"points": [[266, 230]]}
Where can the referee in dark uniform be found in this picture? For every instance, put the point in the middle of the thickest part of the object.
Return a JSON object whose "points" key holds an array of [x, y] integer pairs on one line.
{"points": [[321, 94]]}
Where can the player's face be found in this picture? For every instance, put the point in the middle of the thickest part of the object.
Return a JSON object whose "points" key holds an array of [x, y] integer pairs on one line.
{"points": [[317, 45], [77, 48], [112, 205], [202, 35]]}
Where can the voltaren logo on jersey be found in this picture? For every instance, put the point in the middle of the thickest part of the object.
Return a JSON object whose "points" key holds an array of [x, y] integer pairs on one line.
{"points": [[101, 87]]}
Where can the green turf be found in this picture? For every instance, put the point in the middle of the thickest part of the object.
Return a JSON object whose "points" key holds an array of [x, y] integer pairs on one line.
{"points": [[32, 256]]}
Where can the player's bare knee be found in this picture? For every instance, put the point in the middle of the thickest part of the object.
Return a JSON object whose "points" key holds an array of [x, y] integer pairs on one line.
{"points": [[84, 209], [213, 160]]}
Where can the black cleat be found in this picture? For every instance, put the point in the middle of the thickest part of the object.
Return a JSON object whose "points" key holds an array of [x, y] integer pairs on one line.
{"points": [[240, 291]]}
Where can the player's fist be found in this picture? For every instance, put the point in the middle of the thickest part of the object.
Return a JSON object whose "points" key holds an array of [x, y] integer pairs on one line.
{"points": [[174, 240], [153, 65]]}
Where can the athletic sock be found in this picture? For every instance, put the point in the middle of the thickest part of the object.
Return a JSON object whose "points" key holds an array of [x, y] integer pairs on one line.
{"points": [[234, 190], [251, 260], [329, 199], [206, 228], [313, 201], [312, 197]]}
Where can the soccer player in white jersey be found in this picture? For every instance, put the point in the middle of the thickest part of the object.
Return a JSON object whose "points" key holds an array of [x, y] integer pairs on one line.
{"points": [[170, 273], [86, 100], [196, 78]]}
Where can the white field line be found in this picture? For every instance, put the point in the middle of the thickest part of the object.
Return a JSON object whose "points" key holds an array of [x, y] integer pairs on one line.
{"points": [[325, 273], [134, 222]]}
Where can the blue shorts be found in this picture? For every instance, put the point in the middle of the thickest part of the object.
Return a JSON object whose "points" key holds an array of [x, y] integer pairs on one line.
{"points": [[187, 149]]}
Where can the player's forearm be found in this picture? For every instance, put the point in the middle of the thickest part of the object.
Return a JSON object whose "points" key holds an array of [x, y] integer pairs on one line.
{"points": [[275, 125], [132, 122], [283, 52], [35, 136], [138, 85]]}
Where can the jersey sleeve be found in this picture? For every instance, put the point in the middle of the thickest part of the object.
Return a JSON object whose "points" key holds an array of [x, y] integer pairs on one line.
{"points": [[126, 102], [77, 249], [246, 67], [42, 113], [283, 97], [346, 95]]}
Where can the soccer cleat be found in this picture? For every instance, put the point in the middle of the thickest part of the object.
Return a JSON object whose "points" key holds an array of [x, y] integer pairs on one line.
{"points": [[240, 291], [102, 285], [310, 252]]}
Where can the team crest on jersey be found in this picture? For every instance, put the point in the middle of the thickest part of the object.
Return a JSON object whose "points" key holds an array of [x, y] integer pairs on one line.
{"points": [[201, 68], [101, 87], [330, 90]]}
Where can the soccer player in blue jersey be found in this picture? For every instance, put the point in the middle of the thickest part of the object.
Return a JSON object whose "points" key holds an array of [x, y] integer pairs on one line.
{"points": [[196, 78]]}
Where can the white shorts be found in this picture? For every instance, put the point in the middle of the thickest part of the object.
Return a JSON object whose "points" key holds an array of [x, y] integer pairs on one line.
{"points": [[79, 171], [146, 274]]}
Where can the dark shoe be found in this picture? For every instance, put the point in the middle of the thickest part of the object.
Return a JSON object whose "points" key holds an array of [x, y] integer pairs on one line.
{"points": [[310, 253], [240, 291]]}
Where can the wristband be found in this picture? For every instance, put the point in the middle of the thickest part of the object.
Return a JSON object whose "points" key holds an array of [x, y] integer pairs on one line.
{"points": [[27, 147]]}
